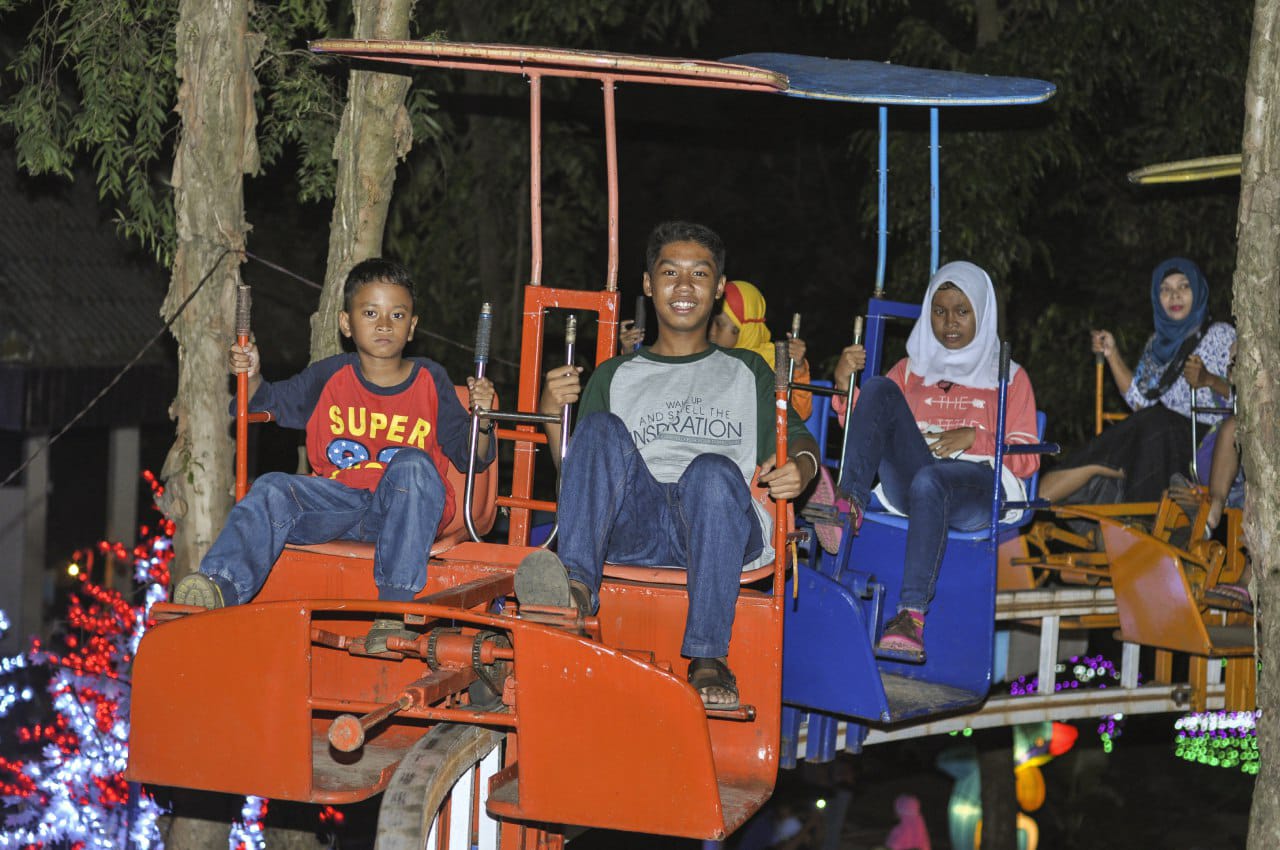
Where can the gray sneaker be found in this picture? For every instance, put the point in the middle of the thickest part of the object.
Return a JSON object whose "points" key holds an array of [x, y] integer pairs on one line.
{"points": [[199, 590], [541, 579]]}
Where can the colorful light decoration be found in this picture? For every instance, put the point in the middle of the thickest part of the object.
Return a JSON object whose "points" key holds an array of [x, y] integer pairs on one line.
{"points": [[1088, 671], [248, 832], [1219, 739], [75, 794]]}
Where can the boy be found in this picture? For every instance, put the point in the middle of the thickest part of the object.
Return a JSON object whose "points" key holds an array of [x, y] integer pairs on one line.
{"points": [[659, 468], [380, 429]]}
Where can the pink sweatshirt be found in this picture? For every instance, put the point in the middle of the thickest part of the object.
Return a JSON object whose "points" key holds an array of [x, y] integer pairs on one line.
{"points": [[936, 409]]}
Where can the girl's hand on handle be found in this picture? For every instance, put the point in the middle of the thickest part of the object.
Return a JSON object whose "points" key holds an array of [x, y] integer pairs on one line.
{"points": [[560, 386], [852, 359], [1103, 343], [796, 349], [244, 359], [953, 441]]}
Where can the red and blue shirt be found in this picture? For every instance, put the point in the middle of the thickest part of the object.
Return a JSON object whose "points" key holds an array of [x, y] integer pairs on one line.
{"points": [[355, 427]]}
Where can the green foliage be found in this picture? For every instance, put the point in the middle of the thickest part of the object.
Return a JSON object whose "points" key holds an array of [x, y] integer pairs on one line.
{"points": [[96, 77], [299, 104], [95, 80]]}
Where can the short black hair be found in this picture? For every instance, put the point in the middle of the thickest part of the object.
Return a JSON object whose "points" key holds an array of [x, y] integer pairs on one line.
{"points": [[376, 270], [684, 231]]}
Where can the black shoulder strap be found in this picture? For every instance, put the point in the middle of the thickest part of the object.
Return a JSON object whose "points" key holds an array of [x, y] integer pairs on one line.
{"points": [[1174, 369]]}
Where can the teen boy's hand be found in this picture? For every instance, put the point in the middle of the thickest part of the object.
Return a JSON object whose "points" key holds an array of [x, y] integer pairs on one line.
{"points": [[244, 358], [852, 359], [560, 386], [784, 482]]}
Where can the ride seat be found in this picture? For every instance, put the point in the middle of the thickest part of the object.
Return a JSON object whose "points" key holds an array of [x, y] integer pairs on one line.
{"points": [[484, 504], [679, 576]]}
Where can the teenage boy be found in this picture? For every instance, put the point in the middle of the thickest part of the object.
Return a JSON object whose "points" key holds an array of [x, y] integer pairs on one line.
{"points": [[381, 428], [658, 470]]}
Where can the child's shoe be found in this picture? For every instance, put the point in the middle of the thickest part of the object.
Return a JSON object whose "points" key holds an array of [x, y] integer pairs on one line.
{"points": [[199, 590], [903, 637], [383, 628]]}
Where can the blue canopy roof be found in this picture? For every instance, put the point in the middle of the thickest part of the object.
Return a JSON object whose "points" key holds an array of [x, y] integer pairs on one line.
{"points": [[861, 81]]}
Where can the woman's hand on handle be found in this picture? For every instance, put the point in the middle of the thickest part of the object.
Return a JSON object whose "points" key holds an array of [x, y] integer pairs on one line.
{"points": [[852, 359], [1103, 343]]}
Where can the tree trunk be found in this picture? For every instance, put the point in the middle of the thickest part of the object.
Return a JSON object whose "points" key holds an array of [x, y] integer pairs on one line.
{"points": [[216, 148], [1257, 293], [375, 132]]}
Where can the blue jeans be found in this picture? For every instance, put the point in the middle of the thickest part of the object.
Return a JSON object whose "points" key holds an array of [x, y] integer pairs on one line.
{"points": [[283, 508], [936, 493], [613, 509]]}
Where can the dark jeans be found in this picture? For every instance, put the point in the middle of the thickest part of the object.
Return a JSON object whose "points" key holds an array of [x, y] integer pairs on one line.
{"points": [[283, 508], [936, 493], [613, 509]]}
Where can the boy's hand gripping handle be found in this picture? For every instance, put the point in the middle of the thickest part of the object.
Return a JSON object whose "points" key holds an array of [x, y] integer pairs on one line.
{"points": [[243, 309], [848, 397], [484, 329], [566, 413]]}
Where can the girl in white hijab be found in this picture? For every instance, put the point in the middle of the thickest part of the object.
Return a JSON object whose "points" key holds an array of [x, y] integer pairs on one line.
{"points": [[927, 430]]}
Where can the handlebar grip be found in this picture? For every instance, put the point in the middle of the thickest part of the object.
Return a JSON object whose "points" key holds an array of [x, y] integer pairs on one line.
{"points": [[639, 321], [795, 325], [1005, 356], [484, 329], [781, 366], [243, 308], [857, 330], [571, 330]]}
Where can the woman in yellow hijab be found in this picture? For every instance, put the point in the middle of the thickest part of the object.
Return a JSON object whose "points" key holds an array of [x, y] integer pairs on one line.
{"points": [[741, 325]]}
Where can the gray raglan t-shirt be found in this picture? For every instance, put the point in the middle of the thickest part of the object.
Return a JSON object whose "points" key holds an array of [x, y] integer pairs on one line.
{"points": [[719, 401]]}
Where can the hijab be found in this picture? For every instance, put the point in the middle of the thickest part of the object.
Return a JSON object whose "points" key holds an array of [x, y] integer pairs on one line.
{"points": [[1174, 339], [744, 305], [1171, 332], [976, 365]]}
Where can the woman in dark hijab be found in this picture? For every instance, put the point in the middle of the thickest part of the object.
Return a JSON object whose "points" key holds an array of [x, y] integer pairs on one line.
{"points": [[1186, 358]]}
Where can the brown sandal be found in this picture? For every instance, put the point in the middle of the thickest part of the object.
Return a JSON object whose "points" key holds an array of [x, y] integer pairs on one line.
{"points": [[709, 674]]}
